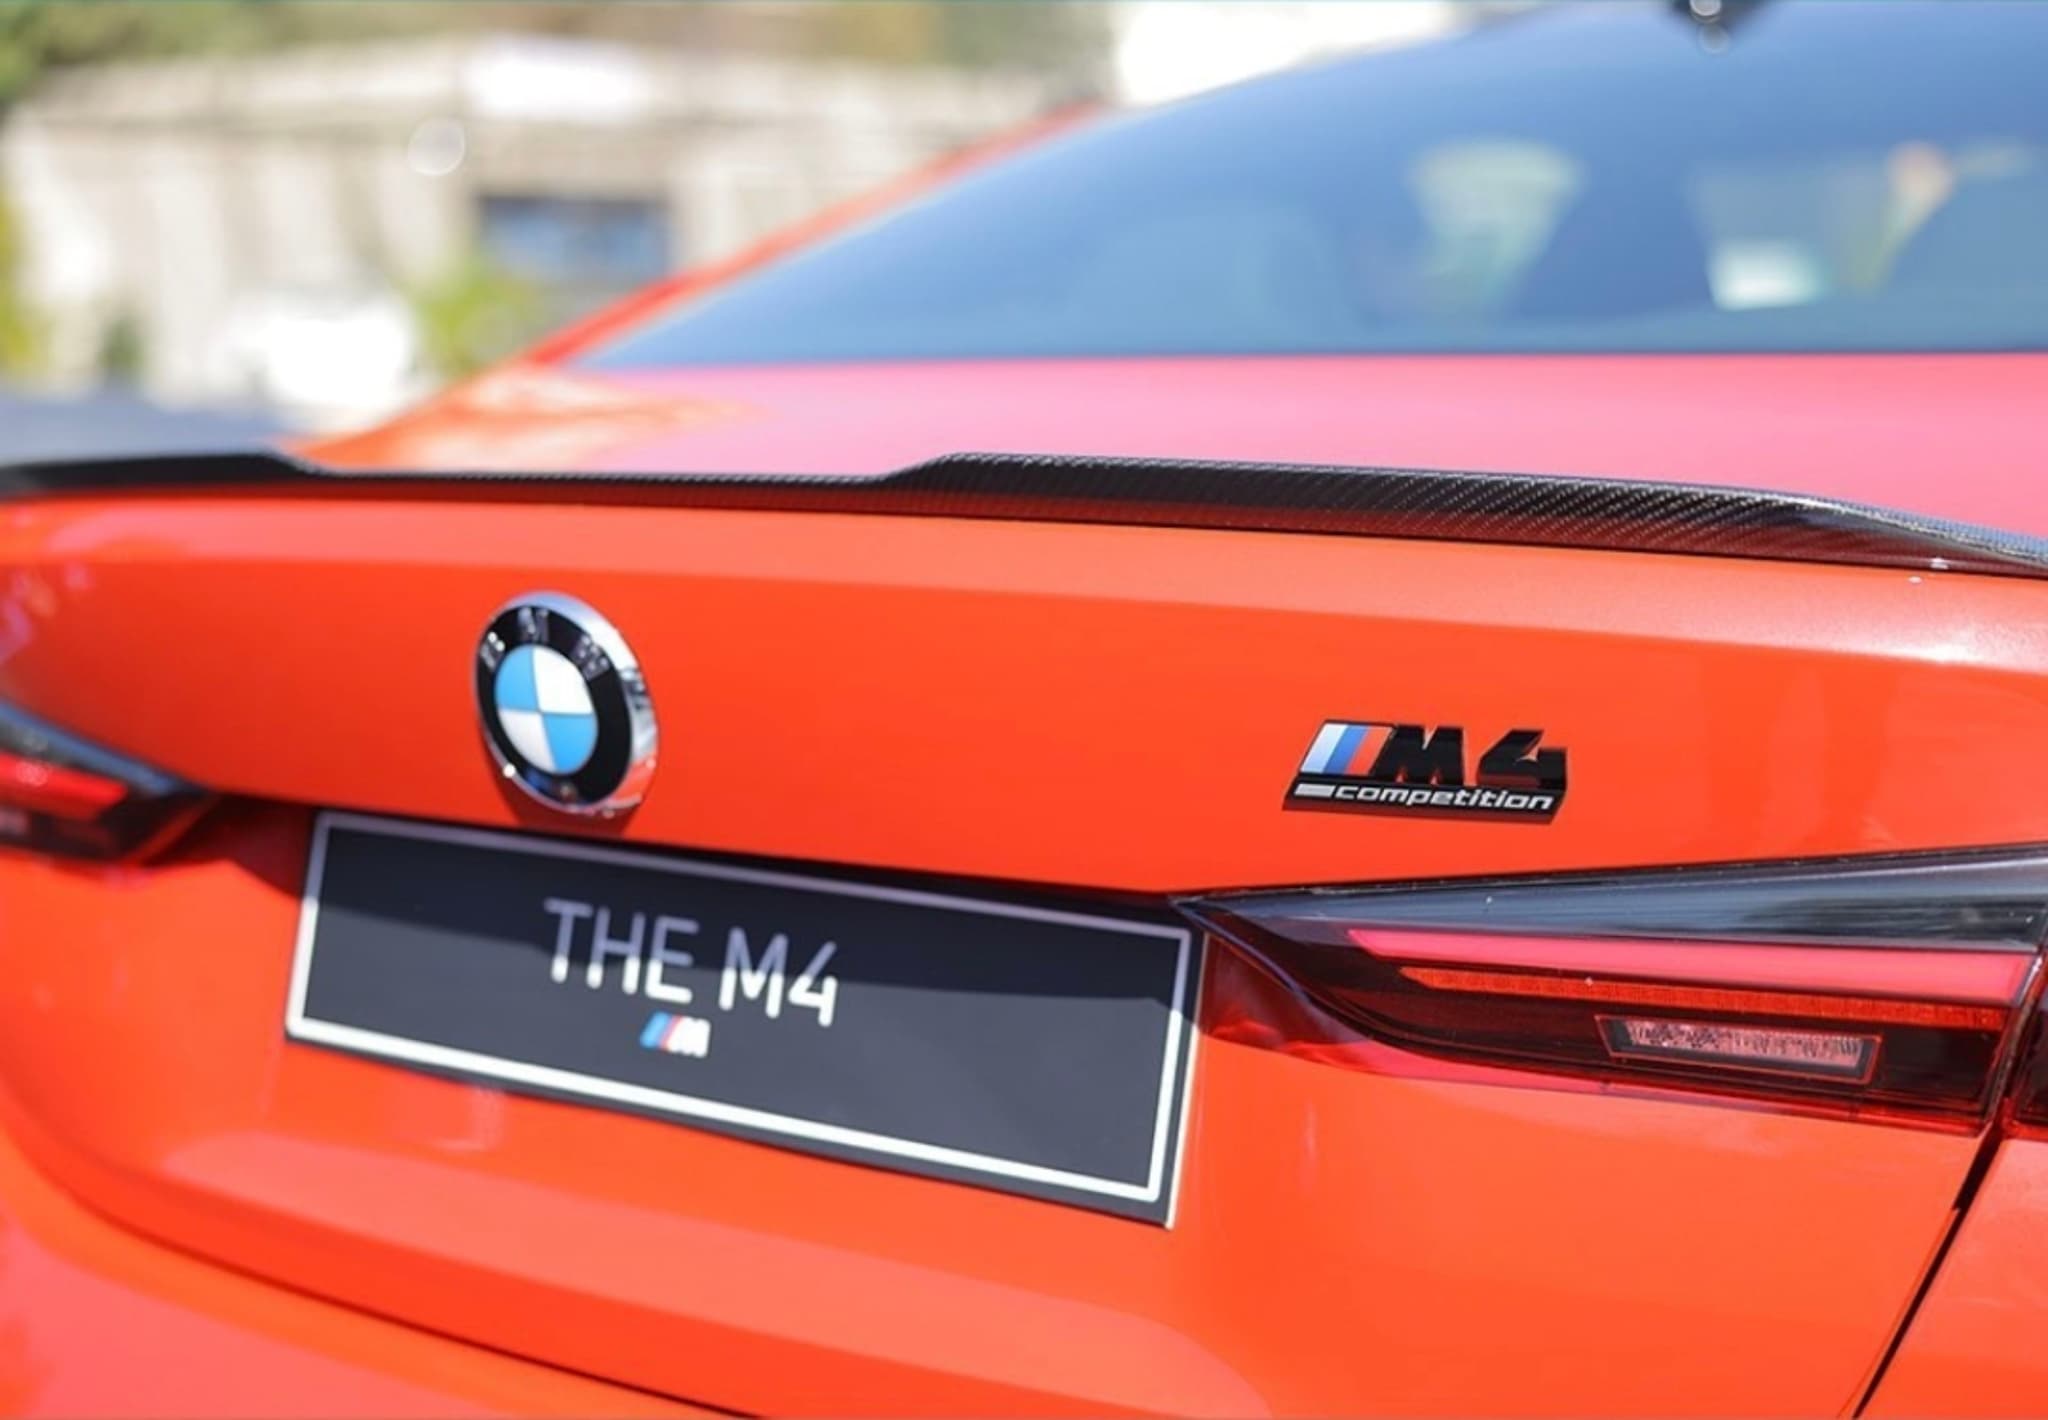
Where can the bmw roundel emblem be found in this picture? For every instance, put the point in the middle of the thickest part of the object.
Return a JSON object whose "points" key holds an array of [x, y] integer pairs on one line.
{"points": [[564, 708]]}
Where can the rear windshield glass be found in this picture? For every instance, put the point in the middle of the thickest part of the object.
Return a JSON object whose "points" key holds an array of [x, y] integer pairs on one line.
{"points": [[1822, 176]]}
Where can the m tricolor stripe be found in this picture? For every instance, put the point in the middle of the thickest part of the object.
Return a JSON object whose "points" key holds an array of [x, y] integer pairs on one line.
{"points": [[676, 1035], [1343, 747]]}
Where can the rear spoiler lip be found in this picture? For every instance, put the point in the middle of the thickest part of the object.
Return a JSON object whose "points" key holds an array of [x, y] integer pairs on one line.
{"points": [[1530, 510]]}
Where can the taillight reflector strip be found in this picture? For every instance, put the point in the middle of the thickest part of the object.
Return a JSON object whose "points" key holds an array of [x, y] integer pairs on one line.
{"points": [[1811, 1053], [1988, 977], [1720, 1000]]}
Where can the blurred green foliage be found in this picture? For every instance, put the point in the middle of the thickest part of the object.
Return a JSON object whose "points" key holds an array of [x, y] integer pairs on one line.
{"points": [[474, 314], [20, 331], [993, 33], [39, 35], [122, 350]]}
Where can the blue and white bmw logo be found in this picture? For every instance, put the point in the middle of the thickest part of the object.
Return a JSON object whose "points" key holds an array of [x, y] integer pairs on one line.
{"points": [[563, 704]]}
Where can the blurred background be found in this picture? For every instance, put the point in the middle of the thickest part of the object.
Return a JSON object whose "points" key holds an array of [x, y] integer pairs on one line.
{"points": [[223, 219]]}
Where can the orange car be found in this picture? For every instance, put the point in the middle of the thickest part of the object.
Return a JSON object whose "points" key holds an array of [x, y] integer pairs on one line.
{"points": [[1364, 745]]}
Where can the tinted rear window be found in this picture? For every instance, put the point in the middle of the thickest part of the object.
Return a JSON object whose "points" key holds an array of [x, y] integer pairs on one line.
{"points": [[1815, 177]]}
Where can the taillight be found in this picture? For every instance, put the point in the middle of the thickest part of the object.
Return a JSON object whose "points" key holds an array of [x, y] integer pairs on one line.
{"points": [[61, 795], [1895, 986], [2030, 1083]]}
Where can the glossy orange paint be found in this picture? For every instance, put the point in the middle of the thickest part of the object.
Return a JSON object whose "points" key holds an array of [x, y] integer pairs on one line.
{"points": [[1975, 1347], [95, 1320], [1347, 1241], [978, 698]]}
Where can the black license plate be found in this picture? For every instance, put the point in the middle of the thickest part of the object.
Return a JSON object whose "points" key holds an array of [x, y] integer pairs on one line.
{"points": [[1023, 1045]]}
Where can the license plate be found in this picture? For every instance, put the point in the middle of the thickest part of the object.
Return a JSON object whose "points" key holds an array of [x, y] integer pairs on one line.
{"points": [[1019, 1044]]}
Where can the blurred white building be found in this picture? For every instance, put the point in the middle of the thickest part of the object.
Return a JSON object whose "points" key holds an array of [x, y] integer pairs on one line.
{"points": [[250, 227], [1166, 49]]}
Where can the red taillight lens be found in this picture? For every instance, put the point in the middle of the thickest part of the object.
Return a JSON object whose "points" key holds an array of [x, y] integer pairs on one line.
{"points": [[2030, 1082], [52, 789], [1895, 986], [61, 795]]}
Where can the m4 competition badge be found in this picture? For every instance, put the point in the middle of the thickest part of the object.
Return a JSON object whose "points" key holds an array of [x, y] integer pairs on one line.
{"points": [[1381, 767], [563, 705]]}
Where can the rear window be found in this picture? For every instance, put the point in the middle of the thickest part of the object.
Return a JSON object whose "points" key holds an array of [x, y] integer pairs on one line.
{"points": [[1822, 176]]}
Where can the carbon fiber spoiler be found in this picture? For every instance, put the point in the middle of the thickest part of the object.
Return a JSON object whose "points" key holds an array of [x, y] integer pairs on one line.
{"points": [[1525, 509]]}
